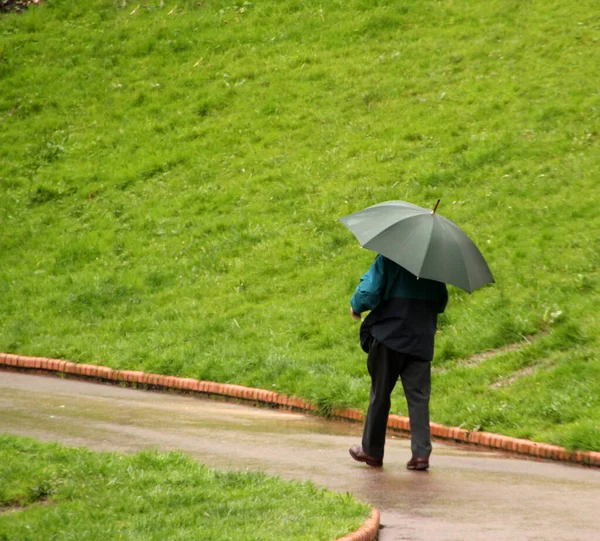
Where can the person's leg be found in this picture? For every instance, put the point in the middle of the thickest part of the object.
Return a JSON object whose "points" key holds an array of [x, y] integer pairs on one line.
{"points": [[384, 366], [416, 380]]}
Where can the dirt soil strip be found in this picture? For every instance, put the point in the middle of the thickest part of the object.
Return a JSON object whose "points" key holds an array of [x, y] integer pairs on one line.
{"points": [[395, 422]]}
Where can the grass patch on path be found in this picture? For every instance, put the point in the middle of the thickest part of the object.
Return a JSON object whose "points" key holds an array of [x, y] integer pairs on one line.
{"points": [[171, 180], [50, 491]]}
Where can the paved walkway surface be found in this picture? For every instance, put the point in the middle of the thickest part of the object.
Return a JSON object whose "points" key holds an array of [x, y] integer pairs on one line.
{"points": [[466, 495]]}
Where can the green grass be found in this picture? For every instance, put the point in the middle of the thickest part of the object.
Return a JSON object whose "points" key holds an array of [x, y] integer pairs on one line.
{"points": [[49, 491], [170, 184]]}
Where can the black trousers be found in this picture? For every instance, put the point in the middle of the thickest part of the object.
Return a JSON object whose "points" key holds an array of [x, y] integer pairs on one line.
{"points": [[385, 366]]}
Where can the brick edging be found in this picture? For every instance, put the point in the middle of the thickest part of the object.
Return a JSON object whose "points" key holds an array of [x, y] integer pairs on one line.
{"points": [[395, 422], [367, 532]]}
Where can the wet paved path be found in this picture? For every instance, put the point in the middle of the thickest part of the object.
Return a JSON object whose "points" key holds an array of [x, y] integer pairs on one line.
{"points": [[467, 494]]}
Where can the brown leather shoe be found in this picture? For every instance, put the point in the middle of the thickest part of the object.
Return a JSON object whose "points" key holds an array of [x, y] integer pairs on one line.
{"points": [[357, 453], [419, 464]]}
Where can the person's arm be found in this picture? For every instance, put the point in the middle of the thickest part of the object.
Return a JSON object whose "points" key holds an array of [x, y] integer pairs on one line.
{"points": [[370, 289]]}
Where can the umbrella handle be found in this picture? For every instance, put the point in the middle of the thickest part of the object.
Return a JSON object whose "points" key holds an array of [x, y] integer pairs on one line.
{"points": [[436, 206]]}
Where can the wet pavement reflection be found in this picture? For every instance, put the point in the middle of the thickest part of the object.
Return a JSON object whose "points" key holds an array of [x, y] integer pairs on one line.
{"points": [[468, 494]]}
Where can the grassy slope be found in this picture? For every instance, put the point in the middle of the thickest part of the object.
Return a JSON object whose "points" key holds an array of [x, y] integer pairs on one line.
{"points": [[55, 492], [170, 185]]}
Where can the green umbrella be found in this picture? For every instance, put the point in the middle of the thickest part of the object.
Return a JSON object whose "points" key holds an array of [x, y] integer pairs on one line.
{"points": [[423, 242]]}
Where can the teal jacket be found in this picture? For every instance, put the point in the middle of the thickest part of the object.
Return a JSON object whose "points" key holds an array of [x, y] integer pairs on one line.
{"points": [[403, 308]]}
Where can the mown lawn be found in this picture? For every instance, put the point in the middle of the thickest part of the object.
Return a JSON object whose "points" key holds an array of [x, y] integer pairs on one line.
{"points": [[49, 491], [171, 180]]}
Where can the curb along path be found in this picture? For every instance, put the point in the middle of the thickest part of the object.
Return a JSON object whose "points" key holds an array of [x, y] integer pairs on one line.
{"points": [[227, 390], [471, 493], [41, 365], [368, 531]]}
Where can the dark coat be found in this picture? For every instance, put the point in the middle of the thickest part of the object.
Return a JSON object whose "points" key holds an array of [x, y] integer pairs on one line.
{"points": [[403, 308]]}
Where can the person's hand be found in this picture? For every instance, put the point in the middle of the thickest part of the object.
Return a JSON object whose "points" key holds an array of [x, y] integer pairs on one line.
{"points": [[354, 314]]}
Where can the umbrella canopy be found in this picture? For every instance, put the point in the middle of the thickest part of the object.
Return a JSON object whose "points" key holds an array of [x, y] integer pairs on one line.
{"points": [[423, 242]]}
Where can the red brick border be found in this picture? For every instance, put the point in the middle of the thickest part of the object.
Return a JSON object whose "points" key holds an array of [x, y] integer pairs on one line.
{"points": [[367, 532], [395, 422]]}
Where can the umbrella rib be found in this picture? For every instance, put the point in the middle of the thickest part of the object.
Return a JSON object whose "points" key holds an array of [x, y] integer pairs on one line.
{"points": [[391, 226], [430, 224], [404, 241], [453, 232]]}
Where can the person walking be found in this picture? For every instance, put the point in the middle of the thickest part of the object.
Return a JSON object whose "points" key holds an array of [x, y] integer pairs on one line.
{"points": [[398, 337]]}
